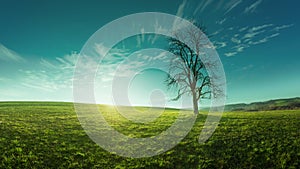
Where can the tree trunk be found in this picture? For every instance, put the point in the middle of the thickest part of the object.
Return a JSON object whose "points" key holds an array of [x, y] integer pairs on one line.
{"points": [[195, 103]]}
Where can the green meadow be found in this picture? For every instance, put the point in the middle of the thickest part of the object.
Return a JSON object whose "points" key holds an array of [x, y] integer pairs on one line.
{"points": [[49, 135]]}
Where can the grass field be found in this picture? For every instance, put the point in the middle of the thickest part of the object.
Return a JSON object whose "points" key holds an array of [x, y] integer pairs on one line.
{"points": [[49, 135]]}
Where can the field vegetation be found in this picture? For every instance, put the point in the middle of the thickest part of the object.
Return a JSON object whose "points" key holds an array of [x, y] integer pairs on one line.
{"points": [[49, 135]]}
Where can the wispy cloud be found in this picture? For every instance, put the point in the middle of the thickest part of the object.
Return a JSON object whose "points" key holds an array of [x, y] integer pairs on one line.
{"points": [[47, 64], [220, 22], [251, 34], [264, 40], [257, 28], [240, 48], [207, 2], [68, 61], [243, 29], [256, 32], [161, 57], [252, 7], [202, 6], [231, 5], [216, 32], [246, 37], [138, 41], [236, 40], [9, 55], [220, 45], [44, 86], [229, 54], [119, 63], [141, 38], [178, 23], [278, 28], [115, 53], [181, 9], [52, 76], [198, 8]]}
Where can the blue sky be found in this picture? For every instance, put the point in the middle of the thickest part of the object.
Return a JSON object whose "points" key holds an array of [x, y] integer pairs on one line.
{"points": [[257, 41]]}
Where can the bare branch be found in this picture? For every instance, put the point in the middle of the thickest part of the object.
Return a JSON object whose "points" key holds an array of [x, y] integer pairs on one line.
{"points": [[187, 71]]}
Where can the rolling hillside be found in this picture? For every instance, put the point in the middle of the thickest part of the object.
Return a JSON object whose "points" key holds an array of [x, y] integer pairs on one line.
{"points": [[278, 104]]}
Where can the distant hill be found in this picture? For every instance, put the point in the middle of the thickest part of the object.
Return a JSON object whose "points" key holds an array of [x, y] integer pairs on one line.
{"points": [[278, 104]]}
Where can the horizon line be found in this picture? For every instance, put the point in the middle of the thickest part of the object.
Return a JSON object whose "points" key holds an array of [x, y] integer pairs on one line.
{"points": [[106, 104]]}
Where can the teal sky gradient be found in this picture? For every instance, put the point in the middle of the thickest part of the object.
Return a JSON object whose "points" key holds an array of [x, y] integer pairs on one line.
{"points": [[257, 41]]}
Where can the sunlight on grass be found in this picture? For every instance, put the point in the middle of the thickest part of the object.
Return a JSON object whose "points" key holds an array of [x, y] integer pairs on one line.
{"points": [[35, 135]]}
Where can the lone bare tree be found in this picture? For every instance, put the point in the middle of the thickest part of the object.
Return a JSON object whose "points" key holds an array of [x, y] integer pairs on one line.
{"points": [[187, 71]]}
